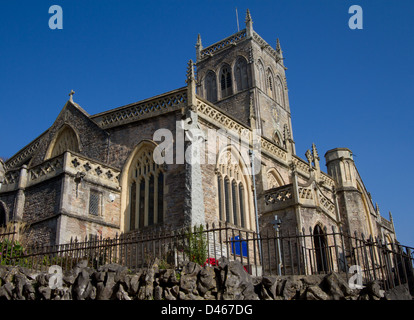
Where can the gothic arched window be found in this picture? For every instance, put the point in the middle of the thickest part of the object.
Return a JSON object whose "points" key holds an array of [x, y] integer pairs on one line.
{"points": [[277, 138], [227, 197], [225, 82], [210, 87], [220, 196], [66, 140], [280, 98], [233, 199], [240, 74], [146, 191], [270, 84], [260, 75], [241, 201], [274, 180]]}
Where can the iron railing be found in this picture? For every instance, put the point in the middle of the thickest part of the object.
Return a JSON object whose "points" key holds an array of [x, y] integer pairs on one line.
{"points": [[284, 253]]}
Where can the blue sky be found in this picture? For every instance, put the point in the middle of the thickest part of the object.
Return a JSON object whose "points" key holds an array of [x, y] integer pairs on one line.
{"points": [[347, 88]]}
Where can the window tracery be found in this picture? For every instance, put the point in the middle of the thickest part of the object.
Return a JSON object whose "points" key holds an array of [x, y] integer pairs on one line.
{"points": [[146, 191], [66, 140], [233, 203]]}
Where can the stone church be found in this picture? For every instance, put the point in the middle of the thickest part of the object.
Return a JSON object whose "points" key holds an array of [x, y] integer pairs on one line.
{"points": [[96, 174]]}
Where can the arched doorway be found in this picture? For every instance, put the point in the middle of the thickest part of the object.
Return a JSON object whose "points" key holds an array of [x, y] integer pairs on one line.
{"points": [[321, 250], [3, 219]]}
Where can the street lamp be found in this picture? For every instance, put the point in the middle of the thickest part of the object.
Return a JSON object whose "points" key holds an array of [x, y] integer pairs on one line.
{"points": [[276, 224]]}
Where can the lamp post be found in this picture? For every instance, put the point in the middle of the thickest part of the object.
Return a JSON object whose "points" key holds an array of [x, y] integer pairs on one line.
{"points": [[276, 224]]}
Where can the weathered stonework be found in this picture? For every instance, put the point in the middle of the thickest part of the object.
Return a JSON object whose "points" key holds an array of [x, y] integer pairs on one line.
{"points": [[227, 281], [86, 190]]}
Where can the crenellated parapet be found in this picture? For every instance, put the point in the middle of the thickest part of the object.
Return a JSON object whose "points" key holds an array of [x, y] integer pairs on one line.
{"points": [[305, 195], [223, 44], [70, 163]]}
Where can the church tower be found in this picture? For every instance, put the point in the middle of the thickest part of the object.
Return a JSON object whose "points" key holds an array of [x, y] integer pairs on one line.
{"points": [[245, 77]]}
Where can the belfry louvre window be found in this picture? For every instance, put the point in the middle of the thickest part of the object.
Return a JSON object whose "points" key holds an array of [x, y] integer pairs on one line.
{"points": [[240, 74], [146, 192], [270, 84], [280, 99], [225, 82], [210, 87]]}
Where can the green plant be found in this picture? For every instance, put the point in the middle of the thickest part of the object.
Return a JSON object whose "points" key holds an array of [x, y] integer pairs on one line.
{"points": [[196, 248], [164, 264], [10, 251]]}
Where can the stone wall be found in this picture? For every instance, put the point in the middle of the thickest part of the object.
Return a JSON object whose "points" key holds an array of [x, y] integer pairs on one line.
{"points": [[228, 281], [42, 200]]}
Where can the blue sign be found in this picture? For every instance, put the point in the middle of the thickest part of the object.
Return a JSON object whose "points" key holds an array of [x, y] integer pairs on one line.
{"points": [[235, 246]]}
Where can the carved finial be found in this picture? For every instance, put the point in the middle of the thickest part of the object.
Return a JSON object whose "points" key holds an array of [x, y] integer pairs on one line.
{"points": [[71, 95], [315, 152], [248, 16], [190, 72], [309, 156], [279, 52], [199, 47], [391, 220], [199, 41], [278, 47], [249, 24], [315, 157]]}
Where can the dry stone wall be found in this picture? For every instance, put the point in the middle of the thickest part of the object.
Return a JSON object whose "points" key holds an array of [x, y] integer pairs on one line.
{"points": [[228, 281]]}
